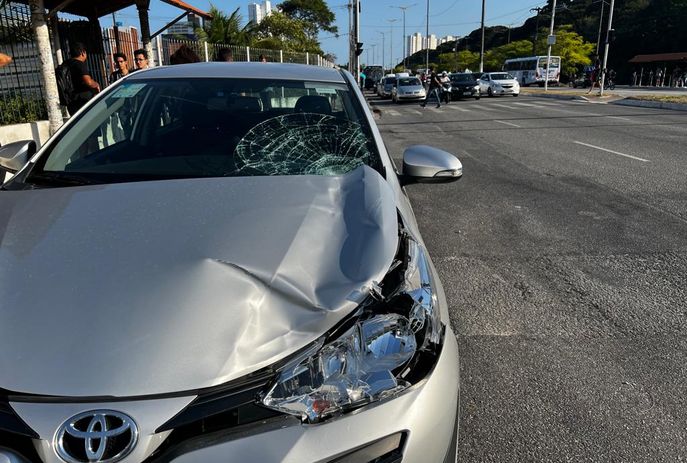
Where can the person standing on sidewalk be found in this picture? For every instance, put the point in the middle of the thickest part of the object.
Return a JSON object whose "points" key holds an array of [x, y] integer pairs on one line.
{"points": [[121, 70], [594, 78], [85, 87]]}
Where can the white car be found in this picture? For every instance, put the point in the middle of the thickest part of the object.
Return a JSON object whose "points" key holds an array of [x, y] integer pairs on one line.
{"points": [[498, 83]]}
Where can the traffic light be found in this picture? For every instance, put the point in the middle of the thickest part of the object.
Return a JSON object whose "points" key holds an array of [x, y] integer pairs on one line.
{"points": [[358, 48], [611, 35]]}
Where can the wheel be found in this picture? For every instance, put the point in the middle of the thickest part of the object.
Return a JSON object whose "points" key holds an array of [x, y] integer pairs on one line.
{"points": [[490, 93], [477, 98], [516, 94]]}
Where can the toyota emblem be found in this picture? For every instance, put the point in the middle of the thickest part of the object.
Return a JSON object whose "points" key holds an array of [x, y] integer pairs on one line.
{"points": [[98, 436]]}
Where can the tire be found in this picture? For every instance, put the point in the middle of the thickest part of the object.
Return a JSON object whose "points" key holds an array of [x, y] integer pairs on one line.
{"points": [[477, 98], [490, 93], [516, 94]]}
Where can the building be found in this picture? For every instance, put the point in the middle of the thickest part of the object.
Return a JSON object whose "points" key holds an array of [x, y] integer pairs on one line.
{"points": [[259, 11], [415, 43], [431, 42], [447, 38], [187, 28]]}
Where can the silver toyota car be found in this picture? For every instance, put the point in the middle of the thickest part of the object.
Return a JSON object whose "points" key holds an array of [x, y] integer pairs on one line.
{"points": [[217, 262]]}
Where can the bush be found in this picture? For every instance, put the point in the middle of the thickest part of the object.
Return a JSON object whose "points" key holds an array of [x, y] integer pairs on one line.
{"points": [[17, 109]]}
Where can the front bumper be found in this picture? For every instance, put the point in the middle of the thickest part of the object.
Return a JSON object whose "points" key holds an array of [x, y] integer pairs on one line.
{"points": [[424, 416], [409, 97], [506, 91], [425, 413], [464, 92]]}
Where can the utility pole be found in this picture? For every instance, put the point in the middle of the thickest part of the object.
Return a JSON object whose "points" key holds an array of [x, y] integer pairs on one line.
{"points": [[405, 49], [351, 45], [536, 30], [391, 42], [481, 51], [383, 50], [601, 20], [374, 53], [356, 25], [608, 40], [427, 38], [550, 41]]}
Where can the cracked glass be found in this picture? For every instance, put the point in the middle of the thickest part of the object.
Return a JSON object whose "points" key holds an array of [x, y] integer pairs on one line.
{"points": [[150, 129]]}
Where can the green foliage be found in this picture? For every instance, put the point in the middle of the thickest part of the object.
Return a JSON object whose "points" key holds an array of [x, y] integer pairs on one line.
{"points": [[314, 14], [228, 29], [571, 47], [458, 62], [279, 31], [494, 58], [17, 109]]}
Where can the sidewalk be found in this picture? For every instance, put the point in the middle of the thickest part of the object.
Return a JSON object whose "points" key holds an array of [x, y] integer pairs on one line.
{"points": [[676, 99]]}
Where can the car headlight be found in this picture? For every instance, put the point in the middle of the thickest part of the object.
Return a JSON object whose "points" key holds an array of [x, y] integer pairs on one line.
{"points": [[476, 87], [372, 357]]}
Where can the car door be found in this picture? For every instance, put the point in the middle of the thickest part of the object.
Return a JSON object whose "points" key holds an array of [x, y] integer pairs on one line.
{"points": [[484, 83]]}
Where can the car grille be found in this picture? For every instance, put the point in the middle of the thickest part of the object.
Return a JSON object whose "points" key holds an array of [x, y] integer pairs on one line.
{"points": [[507, 85]]}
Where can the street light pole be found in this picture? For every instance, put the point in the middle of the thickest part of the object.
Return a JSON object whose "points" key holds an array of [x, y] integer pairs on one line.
{"points": [[405, 50], [481, 51], [391, 42], [601, 20], [383, 51], [427, 39], [608, 37], [548, 53]]}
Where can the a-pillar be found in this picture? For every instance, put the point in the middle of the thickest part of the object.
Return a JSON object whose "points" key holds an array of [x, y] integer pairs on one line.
{"points": [[143, 6], [40, 30]]}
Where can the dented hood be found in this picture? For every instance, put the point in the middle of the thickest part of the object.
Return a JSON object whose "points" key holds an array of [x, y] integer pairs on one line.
{"points": [[155, 287]]}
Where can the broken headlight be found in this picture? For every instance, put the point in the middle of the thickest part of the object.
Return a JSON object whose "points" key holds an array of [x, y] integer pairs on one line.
{"points": [[373, 356]]}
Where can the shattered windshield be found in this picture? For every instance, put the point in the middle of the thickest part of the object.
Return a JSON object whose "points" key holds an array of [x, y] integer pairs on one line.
{"points": [[169, 128]]}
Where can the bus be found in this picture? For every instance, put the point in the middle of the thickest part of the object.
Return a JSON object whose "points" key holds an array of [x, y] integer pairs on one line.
{"points": [[531, 70]]}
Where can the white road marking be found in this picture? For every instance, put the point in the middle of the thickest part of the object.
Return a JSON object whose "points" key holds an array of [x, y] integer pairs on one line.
{"points": [[548, 103], [393, 112], [611, 151], [507, 123], [487, 109], [620, 118], [458, 108], [415, 111], [501, 105], [525, 104]]}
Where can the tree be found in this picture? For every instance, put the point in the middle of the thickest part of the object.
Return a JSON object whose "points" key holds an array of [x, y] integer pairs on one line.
{"points": [[315, 14], [279, 31], [571, 47], [227, 29], [494, 58]]}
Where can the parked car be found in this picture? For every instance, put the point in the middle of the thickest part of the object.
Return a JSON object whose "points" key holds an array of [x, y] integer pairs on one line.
{"points": [[217, 260], [463, 84], [386, 86], [408, 89], [498, 83]]}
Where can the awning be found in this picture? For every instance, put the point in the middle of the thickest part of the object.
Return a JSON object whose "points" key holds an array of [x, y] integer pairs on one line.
{"points": [[99, 8], [659, 58]]}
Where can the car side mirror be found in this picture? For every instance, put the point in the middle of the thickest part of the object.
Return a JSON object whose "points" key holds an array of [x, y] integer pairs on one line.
{"points": [[426, 164], [14, 156]]}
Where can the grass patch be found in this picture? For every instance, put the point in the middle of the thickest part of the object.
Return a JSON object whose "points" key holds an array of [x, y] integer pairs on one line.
{"points": [[662, 98]]}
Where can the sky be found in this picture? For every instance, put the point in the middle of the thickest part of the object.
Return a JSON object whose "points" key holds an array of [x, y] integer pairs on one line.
{"points": [[446, 17]]}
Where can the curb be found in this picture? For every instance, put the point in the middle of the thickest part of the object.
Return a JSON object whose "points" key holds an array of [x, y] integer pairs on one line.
{"points": [[555, 97], [651, 104]]}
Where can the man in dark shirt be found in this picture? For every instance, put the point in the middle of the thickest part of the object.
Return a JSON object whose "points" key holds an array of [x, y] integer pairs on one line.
{"points": [[84, 86], [434, 86], [121, 68]]}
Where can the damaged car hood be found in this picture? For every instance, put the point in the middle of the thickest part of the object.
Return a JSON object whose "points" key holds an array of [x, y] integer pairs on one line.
{"points": [[166, 286]]}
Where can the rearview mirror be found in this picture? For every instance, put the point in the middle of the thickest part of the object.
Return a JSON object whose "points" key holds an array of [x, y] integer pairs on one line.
{"points": [[14, 156], [425, 164]]}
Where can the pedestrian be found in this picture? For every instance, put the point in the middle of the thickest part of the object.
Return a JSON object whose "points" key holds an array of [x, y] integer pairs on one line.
{"points": [[85, 87], [362, 80], [5, 59], [224, 55], [594, 78], [445, 87], [141, 59], [184, 55], [659, 78], [651, 78], [262, 58], [121, 68], [434, 89]]}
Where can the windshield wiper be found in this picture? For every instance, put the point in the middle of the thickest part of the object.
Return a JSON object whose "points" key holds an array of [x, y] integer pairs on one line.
{"points": [[60, 179]]}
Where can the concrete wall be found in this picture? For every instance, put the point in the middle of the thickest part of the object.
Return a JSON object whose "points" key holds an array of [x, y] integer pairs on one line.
{"points": [[36, 131]]}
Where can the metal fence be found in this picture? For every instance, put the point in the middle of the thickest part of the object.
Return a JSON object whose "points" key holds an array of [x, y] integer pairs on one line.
{"points": [[21, 82], [21, 89]]}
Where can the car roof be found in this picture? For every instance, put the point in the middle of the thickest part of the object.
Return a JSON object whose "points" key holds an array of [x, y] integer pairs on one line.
{"points": [[283, 71]]}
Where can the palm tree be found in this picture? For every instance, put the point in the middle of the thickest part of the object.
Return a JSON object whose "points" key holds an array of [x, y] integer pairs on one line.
{"points": [[227, 29]]}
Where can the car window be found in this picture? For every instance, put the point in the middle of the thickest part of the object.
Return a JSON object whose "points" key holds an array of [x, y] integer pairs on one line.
{"points": [[408, 81], [461, 77], [485, 77], [170, 128], [502, 76]]}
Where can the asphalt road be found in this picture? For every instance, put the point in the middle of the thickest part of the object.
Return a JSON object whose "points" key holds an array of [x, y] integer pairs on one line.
{"points": [[563, 252]]}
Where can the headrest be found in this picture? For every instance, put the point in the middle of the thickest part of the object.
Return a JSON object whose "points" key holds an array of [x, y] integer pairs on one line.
{"points": [[249, 104], [313, 104]]}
